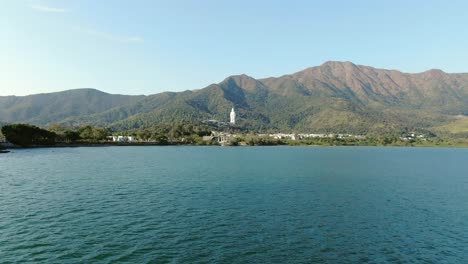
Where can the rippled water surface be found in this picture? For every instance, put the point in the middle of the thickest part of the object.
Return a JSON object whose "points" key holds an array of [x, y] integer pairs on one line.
{"points": [[234, 205]]}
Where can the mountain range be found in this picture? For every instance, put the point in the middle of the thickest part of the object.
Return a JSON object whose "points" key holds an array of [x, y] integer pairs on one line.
{"points": [[333, 97]]}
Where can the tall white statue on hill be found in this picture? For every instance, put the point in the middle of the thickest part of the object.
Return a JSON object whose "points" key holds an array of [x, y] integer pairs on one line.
{"points": [[233, 116]]}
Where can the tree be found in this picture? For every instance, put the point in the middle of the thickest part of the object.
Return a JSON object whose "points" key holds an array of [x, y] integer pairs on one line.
{"points": [[161, 139], [90, 133], [27, 135], [56, 128], [71, 136], [144, 134]]}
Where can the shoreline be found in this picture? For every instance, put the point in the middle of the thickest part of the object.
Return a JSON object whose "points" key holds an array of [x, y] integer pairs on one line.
{"points": [[92, 145], [142, 144]]}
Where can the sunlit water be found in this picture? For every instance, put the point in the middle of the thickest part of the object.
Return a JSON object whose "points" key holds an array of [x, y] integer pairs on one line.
{"points": [[234, 205]]}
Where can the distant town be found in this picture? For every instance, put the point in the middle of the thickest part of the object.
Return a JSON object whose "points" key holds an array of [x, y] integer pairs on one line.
{"points": [[223, 138], [209, 132]]}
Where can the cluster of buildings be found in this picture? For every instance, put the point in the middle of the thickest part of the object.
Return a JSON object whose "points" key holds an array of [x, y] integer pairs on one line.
{"points": [[413, 136], [122, 138], [223, 138], [305, 136]]}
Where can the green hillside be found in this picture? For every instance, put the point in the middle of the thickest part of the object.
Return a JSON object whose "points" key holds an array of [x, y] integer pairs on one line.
{"points": [[334, 97], [44, 109]]}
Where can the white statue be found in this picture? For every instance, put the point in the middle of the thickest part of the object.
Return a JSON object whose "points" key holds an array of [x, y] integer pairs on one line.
{"points": [[233, 116]]}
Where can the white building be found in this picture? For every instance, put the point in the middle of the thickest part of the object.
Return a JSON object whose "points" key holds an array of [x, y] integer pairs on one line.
{"points": [[233, 116], [123, 138]]}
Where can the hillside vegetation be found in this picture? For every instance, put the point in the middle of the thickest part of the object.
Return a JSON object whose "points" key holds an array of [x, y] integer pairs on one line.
{"points": [[338, 97]]}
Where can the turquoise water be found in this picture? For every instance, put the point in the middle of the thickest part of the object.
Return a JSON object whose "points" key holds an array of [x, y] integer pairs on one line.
{"points": [[234, 205]]}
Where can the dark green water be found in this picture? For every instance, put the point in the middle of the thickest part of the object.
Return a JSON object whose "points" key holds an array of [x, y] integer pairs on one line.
{"points": [[234, 205]]}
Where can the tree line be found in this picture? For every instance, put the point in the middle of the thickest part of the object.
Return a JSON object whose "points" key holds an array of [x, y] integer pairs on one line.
{"points": [[185, 133], [29, 135]]}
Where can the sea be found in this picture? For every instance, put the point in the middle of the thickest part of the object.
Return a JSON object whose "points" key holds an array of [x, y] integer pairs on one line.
{"points": [[187, 204]]}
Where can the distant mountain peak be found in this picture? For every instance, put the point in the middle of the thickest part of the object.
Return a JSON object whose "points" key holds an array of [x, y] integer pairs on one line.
{"points": [[435, 72], [81, 90], [338, 63], [240, 77], [243, 80]]}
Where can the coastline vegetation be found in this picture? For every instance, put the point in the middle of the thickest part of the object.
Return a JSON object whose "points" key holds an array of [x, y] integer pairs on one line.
{"points": [[24, 135]]}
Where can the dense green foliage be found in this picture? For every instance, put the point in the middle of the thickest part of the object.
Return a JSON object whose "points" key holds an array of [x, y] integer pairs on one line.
{"points": [[27, 135], [370, 140], [163, 134], [176, 133], [86, 133], [192, 134]]}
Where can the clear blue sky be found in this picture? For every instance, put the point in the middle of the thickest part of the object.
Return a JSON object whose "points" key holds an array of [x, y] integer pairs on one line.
{"points": [[146, 47]]}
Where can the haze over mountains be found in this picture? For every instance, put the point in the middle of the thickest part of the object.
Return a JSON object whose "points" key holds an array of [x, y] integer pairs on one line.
{"points": [[333, 97]]}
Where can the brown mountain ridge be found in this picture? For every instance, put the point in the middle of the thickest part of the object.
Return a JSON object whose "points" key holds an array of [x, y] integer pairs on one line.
{"points": [[333, 97]]}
